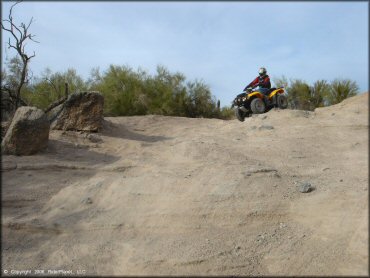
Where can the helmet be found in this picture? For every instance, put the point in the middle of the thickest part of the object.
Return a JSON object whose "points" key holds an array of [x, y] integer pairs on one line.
{"points": [[262, 71]]}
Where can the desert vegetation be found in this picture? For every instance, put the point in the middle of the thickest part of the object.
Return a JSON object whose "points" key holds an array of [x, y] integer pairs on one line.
{"points": [[303, 96], [129, 92]]}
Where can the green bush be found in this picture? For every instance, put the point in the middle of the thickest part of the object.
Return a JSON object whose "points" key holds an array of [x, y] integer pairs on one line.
{"points": [[341, 89], [50, 87], [305, 97]]}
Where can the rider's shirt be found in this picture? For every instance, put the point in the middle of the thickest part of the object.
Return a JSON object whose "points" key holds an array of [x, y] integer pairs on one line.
{"points": [[261, 81]]}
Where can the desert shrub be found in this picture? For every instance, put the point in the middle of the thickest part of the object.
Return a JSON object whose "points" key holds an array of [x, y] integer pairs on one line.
{"points": [[50, 87], [319, 93], [299, 93], [341, 89], [303, 96], [227, 113], [201, 103]]}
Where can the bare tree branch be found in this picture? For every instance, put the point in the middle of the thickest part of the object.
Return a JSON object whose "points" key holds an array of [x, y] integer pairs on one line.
{"points": [[55, 104], [13, 96], [19, 46]]}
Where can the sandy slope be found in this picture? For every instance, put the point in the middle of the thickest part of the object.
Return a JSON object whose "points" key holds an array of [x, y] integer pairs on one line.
{"points": [[170, 195]]}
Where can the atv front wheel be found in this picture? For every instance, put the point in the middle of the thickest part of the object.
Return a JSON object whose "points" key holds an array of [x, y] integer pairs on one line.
{"points": [[282, 102], [240, 115], [258, 106]]}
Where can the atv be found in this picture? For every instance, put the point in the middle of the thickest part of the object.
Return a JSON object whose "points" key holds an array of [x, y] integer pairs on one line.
{"points": [[255, 102]]}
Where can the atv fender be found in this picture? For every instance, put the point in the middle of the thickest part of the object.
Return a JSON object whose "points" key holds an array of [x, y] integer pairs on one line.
{"points": [[255, 94]]}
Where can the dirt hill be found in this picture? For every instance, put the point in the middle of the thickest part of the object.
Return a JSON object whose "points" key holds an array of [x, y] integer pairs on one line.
{"points": [[155, 195]]}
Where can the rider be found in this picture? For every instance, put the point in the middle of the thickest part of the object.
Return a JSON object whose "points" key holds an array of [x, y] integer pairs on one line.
{"points": [[263, 81]]}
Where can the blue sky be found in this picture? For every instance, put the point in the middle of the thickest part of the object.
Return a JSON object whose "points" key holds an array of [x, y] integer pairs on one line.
{"points": [[221, 43]]}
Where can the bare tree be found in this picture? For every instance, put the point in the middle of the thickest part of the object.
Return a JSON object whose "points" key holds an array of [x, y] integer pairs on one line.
{"points": [[20, 35]]}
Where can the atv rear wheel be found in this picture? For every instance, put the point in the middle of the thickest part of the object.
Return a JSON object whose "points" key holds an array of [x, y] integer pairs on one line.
{"points": [[240, 115], [282, 102], [258, 106]]}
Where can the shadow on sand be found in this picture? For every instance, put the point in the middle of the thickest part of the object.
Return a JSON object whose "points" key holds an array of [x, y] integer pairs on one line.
{"points": [[63, 151], [121, 131]]}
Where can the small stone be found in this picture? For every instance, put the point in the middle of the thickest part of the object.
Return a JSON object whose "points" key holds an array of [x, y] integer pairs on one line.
{"points": [[269, 127], [87, 201], [282, 225], [341, 180], [305, 187], [237, 248], [264, 117], [94, 138]]}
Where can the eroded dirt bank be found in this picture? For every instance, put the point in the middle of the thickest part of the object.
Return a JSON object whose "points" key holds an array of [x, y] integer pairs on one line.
{"points": [[169, 195]]}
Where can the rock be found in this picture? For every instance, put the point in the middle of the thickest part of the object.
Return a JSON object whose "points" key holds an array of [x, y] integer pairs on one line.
{"points": [[264, 117], [53, 113], [4, 128], [80, 112], [305, 187], [28, 132], [266, 127], [87, 201], [94, 138]]}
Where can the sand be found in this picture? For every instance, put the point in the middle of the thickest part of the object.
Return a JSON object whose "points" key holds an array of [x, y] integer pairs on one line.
{"points": [[156, 195]]}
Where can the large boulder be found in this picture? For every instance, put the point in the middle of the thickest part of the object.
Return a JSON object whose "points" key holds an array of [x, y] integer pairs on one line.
{"points": [[4, 128], [80, 112], [28, 132]]}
